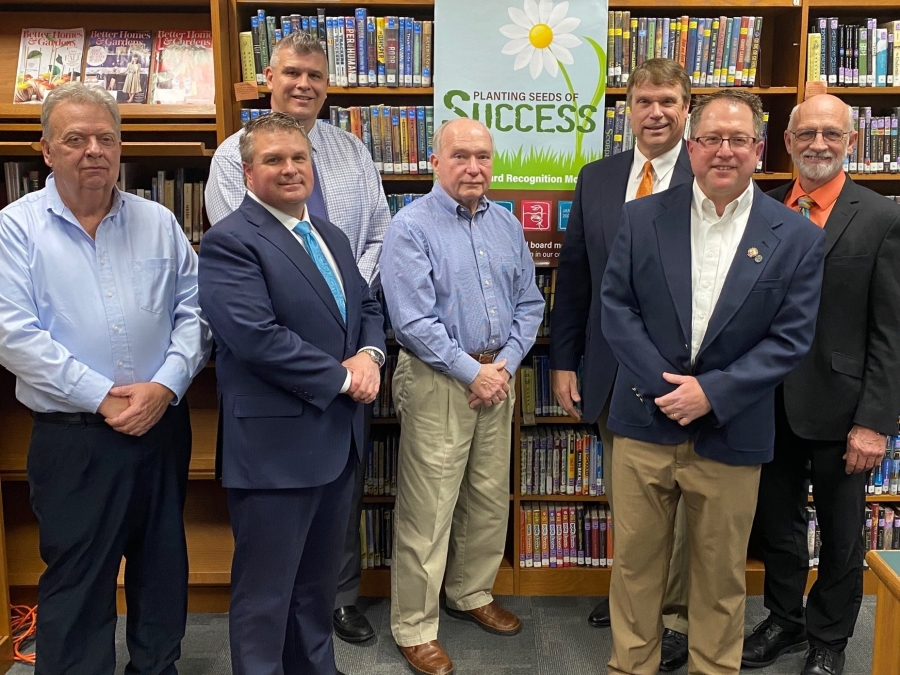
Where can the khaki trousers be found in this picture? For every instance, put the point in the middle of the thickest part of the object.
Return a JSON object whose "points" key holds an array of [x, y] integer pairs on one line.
{"points": [[674, 607], [452, 506], [719, 502]]}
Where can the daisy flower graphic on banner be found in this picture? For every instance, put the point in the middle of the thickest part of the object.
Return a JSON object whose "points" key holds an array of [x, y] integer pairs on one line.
{"points": [[541, 36]]}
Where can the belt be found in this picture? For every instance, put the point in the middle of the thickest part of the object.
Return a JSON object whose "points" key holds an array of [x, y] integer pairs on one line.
{"points": [[485, 357], [68, 418]]}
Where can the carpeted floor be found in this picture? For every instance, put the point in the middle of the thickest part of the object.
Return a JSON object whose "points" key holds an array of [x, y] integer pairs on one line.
{"points": [[556, 640]]}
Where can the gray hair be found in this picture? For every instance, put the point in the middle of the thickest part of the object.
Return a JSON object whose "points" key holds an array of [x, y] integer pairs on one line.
{"points": [[76, 92], [300, 43], [437, 139], [731, 96], [274, 121], [797, 107]]}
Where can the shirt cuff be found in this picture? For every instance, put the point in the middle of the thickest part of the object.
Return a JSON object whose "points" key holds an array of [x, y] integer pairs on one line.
{"points": [[173, 376], [465, 368], [347, 381], [513, 360], [90, 391]]}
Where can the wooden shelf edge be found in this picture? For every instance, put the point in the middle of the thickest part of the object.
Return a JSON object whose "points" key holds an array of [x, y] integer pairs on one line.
{"points": [[863, 177], [316, 3], [837, 91], [598, 499], [400, 177], [129, 149], [264, 90], [760, 91], [127, 110]]}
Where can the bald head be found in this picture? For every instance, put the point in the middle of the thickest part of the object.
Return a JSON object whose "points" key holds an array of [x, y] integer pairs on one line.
{"points": [[463, 160], [819, 136]]}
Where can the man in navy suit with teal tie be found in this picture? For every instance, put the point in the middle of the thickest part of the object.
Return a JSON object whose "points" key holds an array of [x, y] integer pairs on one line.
{"points": [[299, 345]]}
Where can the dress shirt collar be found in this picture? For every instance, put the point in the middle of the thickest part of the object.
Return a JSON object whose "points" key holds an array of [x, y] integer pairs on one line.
{"points": [[823, 196], [705, 207], [290, 222], [454, 206], [662, 165], [58, 208]]}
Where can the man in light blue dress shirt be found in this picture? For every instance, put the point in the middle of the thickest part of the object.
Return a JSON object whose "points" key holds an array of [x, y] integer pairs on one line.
{"points": [[459, 283], [100, 323]]}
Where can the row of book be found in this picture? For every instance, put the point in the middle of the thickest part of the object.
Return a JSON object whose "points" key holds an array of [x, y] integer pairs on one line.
{"points": [[398, 137], [565, 535], [398, 200], [718, 51], [381, 464], [882, 528], [546, 281], [865, 54], [20, 178], [878, 146], [362, 50], [885, 476], [376, 536], [384, 402], [561, 461], [132, 66], [182, 195], [538, 399]]}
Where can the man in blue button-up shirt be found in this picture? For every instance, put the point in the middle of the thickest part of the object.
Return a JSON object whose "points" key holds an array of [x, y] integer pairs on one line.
{"points": [[100, 323], [459, 283]]}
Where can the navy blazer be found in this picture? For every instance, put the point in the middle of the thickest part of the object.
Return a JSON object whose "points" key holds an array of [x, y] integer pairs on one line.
{"points": [[590, 233], [762, 325], [280, 341]]}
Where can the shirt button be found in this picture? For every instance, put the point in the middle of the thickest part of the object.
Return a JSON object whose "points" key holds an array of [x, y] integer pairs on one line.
{"points": [[480, 252], [493, 341], [493, 311], [705, 284], [487, 282], [109, 294], [116, 328], [121, 363], [709, 254]]}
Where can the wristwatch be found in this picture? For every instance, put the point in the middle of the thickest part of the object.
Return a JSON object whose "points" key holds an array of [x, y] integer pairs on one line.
{"points": [[376, 355]]}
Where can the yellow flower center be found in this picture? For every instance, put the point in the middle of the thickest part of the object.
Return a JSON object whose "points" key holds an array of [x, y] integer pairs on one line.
{"points": [[540, 35]]}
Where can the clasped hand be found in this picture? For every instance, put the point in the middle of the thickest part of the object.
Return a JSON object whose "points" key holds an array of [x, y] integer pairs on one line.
{"points": [[134, 409], [687, 403], [365, 379], [490, 386]]}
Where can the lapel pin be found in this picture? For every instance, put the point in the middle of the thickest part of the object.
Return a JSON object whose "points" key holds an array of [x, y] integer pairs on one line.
{"points": [[758, 259], [752, 252]]}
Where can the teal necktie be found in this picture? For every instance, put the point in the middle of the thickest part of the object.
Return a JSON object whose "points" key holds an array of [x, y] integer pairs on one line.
{"points": [[315, 252], [804, 204]]}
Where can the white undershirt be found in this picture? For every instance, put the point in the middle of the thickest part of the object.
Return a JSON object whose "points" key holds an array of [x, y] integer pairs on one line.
{"points": [[714, 242]]}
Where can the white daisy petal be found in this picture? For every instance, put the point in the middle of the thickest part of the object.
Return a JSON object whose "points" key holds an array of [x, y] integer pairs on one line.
{"points": [[562, 54], [515, 46], [537, 64], [550, 64], [544, 10], [565, 40], [520, 18], [558, 14], [513, 32], [524, 57], [566, 25], [531, 11]]}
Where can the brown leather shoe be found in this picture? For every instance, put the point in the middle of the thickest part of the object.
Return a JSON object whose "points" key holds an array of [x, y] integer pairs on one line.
{"points": [[492, 618], [429, 658]]}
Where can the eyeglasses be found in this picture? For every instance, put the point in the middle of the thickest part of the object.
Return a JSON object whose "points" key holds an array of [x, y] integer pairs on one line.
{"points": [[829, 135], [735, 142]]}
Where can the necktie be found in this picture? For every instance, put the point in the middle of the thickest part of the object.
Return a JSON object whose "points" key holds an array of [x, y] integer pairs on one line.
{"points": [[315, 204], [315, 252], [804, 204], [646, 186]]}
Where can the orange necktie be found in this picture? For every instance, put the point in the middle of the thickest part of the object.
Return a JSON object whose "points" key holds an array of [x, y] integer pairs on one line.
{"points": [[646, 186]]}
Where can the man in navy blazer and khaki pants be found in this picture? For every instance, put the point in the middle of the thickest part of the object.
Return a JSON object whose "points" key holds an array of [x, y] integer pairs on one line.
{"points": [[709, 300], [299, 343]]}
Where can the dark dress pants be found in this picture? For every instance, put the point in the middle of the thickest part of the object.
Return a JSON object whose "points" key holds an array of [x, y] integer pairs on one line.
{"points": [[100, 495], [781, 528], [287, 552], [351, 558]]}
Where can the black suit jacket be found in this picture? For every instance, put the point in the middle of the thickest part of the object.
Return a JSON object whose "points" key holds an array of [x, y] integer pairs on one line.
{"points": [[851, 375], [592, 228]]}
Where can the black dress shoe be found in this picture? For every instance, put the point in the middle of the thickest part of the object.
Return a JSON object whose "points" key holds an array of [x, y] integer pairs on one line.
{"points": [[674, 650], [823, 661], [599, 618], [351, 626], [768, 641]]}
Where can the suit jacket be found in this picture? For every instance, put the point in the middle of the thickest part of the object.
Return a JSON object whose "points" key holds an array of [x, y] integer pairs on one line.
{"points": [[280, 341], [852, 373], [760, 328], [592, 228]]}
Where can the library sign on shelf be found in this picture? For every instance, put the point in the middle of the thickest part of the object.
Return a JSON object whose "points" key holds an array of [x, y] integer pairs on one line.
{"points": [[535, 73]]}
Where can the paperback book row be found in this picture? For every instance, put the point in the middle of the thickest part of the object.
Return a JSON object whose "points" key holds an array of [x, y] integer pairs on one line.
{"points": [[132, 66], [362, 50], [399, 200], [865, 54], [561, 461], [538, 399], [718, 51], [22, 178], [565, 535], [398, 137], [878, 146], [882, 528], [376, 536], [180, 191], [618, 136], [884, 478], [381, 465], [383, 405], [546, 281]]}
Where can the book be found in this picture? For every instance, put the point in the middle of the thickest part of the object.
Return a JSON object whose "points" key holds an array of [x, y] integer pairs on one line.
{"points": [[183, 71], [48, 57], [118, 61]]}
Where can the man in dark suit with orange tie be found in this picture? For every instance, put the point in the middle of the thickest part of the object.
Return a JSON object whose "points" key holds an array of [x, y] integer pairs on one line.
{"points": [[659, 93], [299, 343]]}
